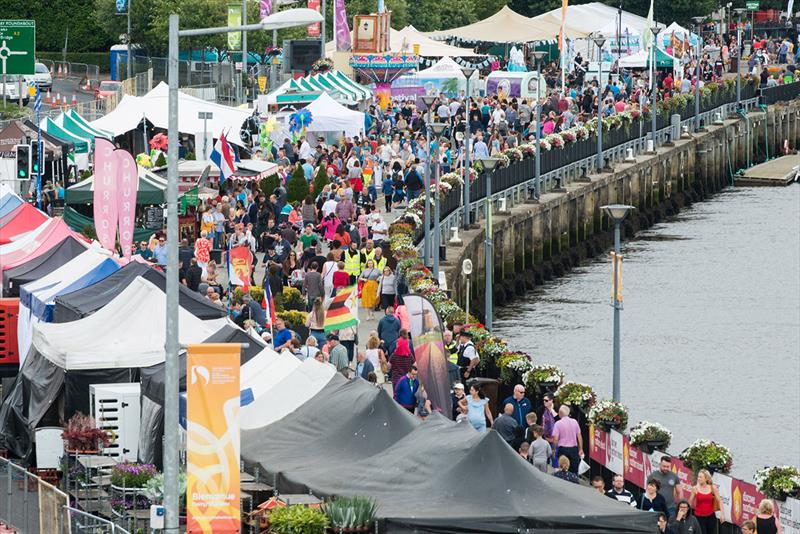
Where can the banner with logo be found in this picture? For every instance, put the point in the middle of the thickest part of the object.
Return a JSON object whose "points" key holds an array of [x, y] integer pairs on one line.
{"points": [[598, 445], [615, 453], [789, 515], [127, 187], [637, 464], [241, 261], [314, 29], [105, 193], [212, 429], [234, 19]]}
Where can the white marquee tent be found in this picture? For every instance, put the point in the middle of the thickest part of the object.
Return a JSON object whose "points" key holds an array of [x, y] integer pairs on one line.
{"points": [[328, 117], [153, 106], [403, 41], [436, 78]]}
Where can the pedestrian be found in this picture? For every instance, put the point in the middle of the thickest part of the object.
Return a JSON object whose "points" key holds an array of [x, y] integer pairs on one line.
{"points": [[651, 500], [337, 354], [476, 406], [619, 493], [541, 452], [669, 483], [369, 292], [522, 405], [506, 425], [599, 484], [564, 471], [766, 522], [468, 358], [364, 367], [664, 528], [567, 438], [401, 359], [684, 522], [387, 288], [376, 356], [405, 389], [705, 500], [389, 329]]}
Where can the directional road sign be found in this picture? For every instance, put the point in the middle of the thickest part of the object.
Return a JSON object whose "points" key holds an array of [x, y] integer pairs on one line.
{"points": [[17, 46]]}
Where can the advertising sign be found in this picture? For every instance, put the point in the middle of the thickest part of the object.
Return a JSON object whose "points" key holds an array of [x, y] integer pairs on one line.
{"points": [[314, 29], [105, 193], [241, 261], [212, 428], [234, 19], [615, 453], [127, 187], [598, 444], [17, 46]]}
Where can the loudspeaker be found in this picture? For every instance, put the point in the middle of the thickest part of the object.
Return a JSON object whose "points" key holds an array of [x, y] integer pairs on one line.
{"points": [[300, 54]]}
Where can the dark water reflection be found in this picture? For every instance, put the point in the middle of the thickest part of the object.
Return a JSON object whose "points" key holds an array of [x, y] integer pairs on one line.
{"points": [[710, 329]]}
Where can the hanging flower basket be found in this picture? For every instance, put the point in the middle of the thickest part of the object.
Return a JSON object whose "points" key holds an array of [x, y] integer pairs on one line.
{"points": [[778, 482], [575, 394], [650, 437], [542, 378], [608, 415], [705, 454]]}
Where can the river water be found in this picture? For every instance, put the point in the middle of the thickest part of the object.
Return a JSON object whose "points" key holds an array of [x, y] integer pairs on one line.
{"points": [[710, 328]]}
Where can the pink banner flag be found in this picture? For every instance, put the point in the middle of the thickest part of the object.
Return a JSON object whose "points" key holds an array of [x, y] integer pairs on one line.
{"points": [[264, 8], [128, 185], [105, 193], [343, 43]]}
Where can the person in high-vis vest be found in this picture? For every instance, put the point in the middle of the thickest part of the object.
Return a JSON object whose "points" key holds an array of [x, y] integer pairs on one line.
{"points": [[379, 258], [368, 253], [451, 347], [352, 262]]}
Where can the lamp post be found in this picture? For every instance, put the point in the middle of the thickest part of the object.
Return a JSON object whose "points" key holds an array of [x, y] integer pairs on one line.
{"points": [[739, 12], [171, 345], [488, 247], [438, 129], [537, 168], [205, 115], [467, 72], [426, 245], [617, 212], [600, 40], [655, 30], [697, 92]]}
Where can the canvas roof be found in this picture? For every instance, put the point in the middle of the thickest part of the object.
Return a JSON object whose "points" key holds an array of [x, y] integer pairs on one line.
{"points": [[43, 265], [35, 243], [403, 41], [584, 19], [330, 116], [445, 68], [508, 26], [23, 219], [153, 106], [128, 332], [152, 189], [8, 202], [432, 462], [79, 304], [641, 59], [81, 143]]}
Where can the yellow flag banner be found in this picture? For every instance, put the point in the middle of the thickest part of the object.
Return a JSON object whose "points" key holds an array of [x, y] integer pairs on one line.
{"points": [[616, 276], [212, 427]]}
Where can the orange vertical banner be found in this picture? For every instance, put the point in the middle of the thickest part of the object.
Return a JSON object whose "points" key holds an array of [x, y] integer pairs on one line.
{"points": [[212, 426]]}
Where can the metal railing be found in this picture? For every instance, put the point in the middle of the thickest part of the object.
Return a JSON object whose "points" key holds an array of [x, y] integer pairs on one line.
{"points": [[83, 522], [771, 95], [521, 188], [28, 503]]}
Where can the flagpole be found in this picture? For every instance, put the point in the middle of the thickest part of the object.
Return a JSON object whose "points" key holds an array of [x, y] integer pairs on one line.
{"points": [[38, 105], [228, 263]]}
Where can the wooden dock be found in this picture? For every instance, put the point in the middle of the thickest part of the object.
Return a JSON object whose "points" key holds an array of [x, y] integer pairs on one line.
{"points": [[777, 172]]}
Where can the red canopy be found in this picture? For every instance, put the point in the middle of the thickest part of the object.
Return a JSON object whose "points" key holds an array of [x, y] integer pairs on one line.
{"points": [[54, 231], [23, 218]]}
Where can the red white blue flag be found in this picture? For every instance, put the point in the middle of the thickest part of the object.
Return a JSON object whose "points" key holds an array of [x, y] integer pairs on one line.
{"points": [[222, 156], [269, 305]]}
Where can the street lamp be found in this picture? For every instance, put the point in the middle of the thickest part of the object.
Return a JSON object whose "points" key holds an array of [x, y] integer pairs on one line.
{"points": [[205, 116], [697, 93], [600, 40], [537, 169], [617, 212], [277, 21], [426, 245], [488, 165], [739, 11], [655, 30], [438, 129], [467, 72]]}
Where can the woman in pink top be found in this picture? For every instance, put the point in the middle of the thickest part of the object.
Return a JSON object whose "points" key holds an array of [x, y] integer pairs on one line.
{"points": [[549, 125], [619, 107]]}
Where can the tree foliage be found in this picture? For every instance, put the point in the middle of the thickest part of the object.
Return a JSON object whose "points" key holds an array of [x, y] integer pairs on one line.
{"points": [[320, 180], [297, 187], [57, 19]]}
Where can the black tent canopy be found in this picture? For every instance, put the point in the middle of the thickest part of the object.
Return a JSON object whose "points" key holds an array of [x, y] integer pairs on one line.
{"points": [[40, 266], [79, 304], [426, 476]]}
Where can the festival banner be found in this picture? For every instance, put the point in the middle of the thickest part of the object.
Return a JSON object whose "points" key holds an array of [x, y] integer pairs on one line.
{"points": [[105, 193], [746, 499], [598, 445], [264, 8], [234, 19], [635, 461], [127, 187], [212, 429], [789, 515], [343, 38], [240, 265], [615, 453], [685, 476], [724, 485], [314, 29]]}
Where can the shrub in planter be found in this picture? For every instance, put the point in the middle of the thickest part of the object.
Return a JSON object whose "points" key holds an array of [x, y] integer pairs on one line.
{"points": [[297, 187], [650, 436], [513, 365], [293, 299], [132, 474], [256, 293], [293, 318], [778, 482], [542, 375], [81, 434], [297, 520], [575, 394], [350, 514], [705, 454], [609, 414], [320, 181], [154, 488]]}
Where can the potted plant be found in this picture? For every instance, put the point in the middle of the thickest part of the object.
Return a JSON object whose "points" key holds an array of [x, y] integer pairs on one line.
{"points": [[132, 475], [350, 514], [81, 435], [295, 320], [154, 490], [297, 519], [609, 414], [293, 299], [542, 378], [778, 482], [575, 394], [650, 437], [705, 454]]}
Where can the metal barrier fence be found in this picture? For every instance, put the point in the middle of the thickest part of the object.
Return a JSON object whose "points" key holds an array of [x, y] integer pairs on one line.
{"points": [[770, 95], [140, 84], [89, 74], [79, 522], [28, 503]]}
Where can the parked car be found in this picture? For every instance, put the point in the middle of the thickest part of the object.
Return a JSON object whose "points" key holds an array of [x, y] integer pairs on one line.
{"points": [[12, 89], [107, 88], [41, 77]]}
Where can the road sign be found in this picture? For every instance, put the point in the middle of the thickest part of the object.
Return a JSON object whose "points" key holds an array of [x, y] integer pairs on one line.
{"points": [[752, 5], [17, 46]]}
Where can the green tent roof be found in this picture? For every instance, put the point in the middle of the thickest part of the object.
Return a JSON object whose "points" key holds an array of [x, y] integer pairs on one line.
{"points": [[80, 143], [152, 189], [78, 222], [96, 132]]}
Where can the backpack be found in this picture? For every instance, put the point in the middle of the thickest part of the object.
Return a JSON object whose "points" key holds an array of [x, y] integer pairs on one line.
{"points": [[297, 277]]}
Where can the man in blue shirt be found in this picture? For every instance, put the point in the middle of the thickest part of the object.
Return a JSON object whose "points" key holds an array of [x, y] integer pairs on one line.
{"points": [[479, 148], [283, 336], [405, 393], [160, 252], [522, 405]]}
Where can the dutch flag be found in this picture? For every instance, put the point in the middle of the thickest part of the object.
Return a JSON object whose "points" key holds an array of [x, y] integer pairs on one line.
{"points": [[222, 157]]}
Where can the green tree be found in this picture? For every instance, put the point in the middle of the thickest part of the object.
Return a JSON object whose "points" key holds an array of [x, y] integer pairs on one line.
{"points": [[60, 19], [487, 8], [320, 180], [113, 26], [269, 184], [297, 187]]}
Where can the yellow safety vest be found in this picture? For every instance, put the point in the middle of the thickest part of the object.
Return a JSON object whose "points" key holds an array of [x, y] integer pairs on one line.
{"points": [[352, 264], [366, 256], [380, 264], [452, 352]]}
